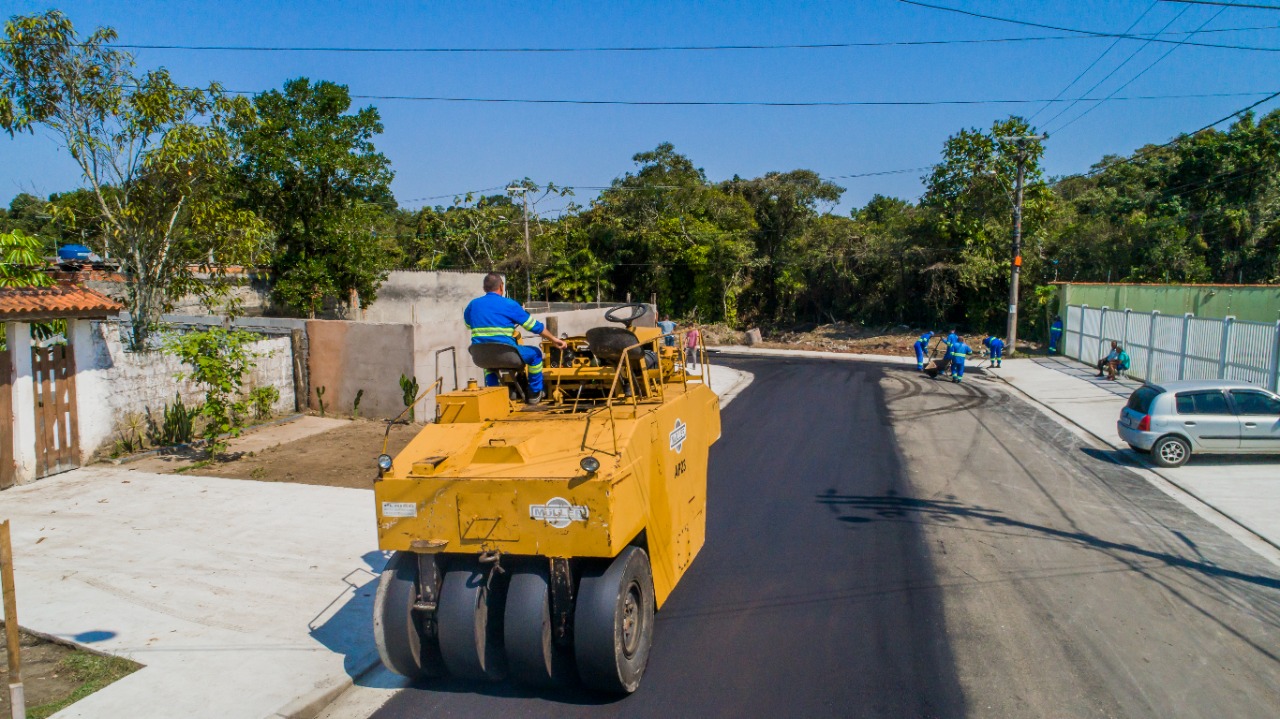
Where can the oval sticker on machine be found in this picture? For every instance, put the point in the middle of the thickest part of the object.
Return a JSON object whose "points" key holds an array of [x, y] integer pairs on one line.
{"points": [[678, 436], [558, 512], [399, 509]]}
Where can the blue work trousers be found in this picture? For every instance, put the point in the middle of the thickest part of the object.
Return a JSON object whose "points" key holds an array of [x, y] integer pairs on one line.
{"points": [[532, 357], [1055, 338], [919, 355], [957, 367]]}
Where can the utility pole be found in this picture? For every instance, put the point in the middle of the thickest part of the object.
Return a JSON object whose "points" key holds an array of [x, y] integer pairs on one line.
{"points": [[528, 253], [1015, 269]]}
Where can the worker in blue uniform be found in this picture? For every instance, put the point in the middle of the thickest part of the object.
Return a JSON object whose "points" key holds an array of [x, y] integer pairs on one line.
{"points": [[995, 349], [1055, 335], [951, 339], [494, 317], [921, 346], [959, 353]]}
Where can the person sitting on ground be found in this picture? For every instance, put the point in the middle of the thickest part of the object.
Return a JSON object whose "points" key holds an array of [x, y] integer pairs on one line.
{"points": [[1116, 359], [1119, 364]]}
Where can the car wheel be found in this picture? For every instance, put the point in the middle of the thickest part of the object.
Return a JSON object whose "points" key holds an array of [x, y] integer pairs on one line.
{"points": [[1170, 451], [1138, 449]]}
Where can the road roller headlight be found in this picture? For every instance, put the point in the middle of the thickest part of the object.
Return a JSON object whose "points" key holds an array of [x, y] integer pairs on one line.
{"points": [[590, 465], [384, 462]]}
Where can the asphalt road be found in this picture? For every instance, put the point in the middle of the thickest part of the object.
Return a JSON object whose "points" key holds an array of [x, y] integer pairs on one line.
{"points": [[883, 545]]}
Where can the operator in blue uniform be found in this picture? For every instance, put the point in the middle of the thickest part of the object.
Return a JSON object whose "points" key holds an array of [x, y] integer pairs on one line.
{"points": [[921, 345], [493, 317], [1055, 335], [995, 348], [959, 353]]}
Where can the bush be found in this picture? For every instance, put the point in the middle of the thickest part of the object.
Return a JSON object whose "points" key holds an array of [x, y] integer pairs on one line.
{"points": [[179, 425], [219, 360], [263, 400]]}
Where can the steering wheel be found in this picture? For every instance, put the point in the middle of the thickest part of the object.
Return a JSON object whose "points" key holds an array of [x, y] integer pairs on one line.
{"points": [[638, 310]]}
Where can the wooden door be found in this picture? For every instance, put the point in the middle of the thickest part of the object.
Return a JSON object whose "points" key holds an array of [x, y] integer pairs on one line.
{"points": [[53, 377]]}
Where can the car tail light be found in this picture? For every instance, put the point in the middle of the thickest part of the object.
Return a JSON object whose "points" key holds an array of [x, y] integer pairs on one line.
{"points": [[1144, 424]]}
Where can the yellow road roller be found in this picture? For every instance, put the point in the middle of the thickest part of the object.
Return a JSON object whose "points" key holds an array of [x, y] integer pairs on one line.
{"points": [[537, 542]]}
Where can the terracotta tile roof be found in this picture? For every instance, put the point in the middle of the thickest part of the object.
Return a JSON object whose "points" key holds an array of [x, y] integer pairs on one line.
{"points": [[62, 301]]}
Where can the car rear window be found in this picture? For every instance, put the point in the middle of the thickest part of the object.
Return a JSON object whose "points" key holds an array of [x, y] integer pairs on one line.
{"points": [[1140, 400], [1255, 403], [1211, 402]]}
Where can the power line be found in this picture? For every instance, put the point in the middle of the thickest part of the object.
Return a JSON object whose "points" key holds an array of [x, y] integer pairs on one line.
{"points": [[1131, 80], [755, 103], [1135, 156], [1249, 6], [1081, 35], [1093, 33], [1096, 60]]}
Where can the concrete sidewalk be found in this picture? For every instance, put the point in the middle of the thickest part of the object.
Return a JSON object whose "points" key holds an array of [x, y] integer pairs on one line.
{"points": [[240, 598], [1243, 488]]}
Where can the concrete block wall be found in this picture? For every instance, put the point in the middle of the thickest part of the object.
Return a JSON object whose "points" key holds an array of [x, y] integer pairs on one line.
{"points": [[347, 357], [112, 382]]}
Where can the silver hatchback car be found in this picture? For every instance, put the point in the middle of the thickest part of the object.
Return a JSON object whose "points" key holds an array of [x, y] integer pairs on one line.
{"points": [[1174, 420]]}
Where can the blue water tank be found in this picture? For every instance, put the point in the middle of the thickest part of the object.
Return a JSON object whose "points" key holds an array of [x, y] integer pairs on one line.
{"points": [[74, 252]]}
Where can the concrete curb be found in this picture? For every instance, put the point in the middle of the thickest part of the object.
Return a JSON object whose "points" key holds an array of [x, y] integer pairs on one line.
{"points": [[1135, 462], [310, 704]]}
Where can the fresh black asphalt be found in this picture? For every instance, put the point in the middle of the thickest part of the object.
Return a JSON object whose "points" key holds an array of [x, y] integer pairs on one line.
{"points": [[792, 608]]}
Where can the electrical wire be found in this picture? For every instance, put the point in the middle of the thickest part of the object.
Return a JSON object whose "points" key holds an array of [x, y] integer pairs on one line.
{"points": [[1115, 69], [1093, 33], [1096, 60], [639, 48], [756, 103], [1245, 6], [1131, 80]]}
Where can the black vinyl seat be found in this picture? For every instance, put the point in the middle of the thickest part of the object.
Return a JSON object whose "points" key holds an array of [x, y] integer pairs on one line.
{"points": [[608, 344], [495, 355], [504, 360]]}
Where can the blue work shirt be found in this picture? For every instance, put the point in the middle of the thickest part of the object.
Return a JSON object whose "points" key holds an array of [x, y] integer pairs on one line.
{"points": [[492, 318], [924, 339], [960, 350], [995, 343]]}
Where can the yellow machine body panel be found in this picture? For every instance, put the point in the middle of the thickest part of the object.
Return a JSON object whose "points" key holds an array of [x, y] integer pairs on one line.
{"points": [[489, 478]]}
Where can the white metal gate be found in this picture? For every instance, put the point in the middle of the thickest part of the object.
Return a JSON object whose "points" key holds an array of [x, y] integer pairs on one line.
{"points": [[1165, 347]]}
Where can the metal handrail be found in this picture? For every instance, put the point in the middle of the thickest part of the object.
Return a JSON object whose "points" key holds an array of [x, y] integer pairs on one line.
{"points": [[386, 436]]}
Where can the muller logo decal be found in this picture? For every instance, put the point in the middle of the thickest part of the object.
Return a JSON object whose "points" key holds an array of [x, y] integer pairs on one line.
{"points": [[677, 436], [558, 512]]}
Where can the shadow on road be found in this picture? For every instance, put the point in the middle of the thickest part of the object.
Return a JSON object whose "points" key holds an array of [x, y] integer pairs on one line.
{"points": [[946, 511]]}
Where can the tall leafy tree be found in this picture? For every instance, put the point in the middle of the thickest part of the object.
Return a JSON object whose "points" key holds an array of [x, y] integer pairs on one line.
{"points": [[310, 168], [153, 153]]}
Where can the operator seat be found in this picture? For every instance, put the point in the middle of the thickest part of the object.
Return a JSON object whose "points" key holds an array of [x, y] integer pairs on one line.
{"points": [[505, 361], [608, 344]]}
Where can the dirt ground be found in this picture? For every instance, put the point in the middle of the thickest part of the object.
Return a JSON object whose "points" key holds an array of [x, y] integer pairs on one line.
{"points": [[859, 339], [54, 675], [342, 457]]}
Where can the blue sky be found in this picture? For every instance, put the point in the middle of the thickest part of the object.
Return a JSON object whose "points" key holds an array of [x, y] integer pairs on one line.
{"points": [[443, 148]]}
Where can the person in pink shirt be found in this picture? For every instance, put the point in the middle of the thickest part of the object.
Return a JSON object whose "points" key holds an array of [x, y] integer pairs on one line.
{"points": [[691, 347]]}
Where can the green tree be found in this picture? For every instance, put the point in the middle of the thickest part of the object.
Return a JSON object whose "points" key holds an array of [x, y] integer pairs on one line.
{"points": [[311, 170], [154, 154], [219, 359]]}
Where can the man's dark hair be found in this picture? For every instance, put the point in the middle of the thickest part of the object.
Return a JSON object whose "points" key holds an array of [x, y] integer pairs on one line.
{"points": [[492, 282]]}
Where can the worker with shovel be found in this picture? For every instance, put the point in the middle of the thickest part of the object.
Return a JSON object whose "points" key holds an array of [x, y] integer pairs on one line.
{"points": [[995, 349], [959, 353], [921, 346]]}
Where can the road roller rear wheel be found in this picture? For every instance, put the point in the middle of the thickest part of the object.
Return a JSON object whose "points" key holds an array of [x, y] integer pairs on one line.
{"points": [[532, 656], [469, 618], [613, 623], [397, 628]]}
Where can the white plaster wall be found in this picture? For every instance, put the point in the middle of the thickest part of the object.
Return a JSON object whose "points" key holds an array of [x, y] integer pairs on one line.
{"points": [[111, 382], [18, 334]]}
